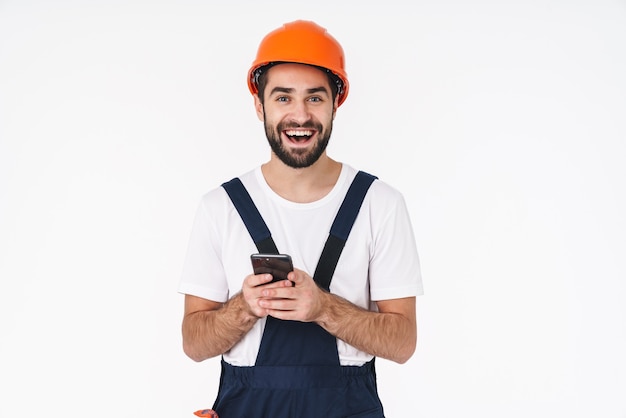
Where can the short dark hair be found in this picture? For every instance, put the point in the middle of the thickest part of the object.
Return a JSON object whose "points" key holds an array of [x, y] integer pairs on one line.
{"points": [[260, 76]]}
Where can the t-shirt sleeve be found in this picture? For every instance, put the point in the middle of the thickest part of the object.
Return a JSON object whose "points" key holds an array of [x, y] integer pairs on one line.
{"points": [[203, 274], [395, 266]]}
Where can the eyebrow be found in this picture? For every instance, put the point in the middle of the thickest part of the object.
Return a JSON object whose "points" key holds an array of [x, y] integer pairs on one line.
{"points": [[289, 90]]}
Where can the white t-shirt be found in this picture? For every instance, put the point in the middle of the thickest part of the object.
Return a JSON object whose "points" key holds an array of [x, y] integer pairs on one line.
{"points": [[378, 262]]}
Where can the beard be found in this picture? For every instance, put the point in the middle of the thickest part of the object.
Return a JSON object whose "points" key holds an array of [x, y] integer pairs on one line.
{"points": [[299, 158]]}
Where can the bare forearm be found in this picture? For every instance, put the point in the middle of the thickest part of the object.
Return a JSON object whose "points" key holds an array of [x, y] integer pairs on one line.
{"points": [[208, 334], [389, 335]]}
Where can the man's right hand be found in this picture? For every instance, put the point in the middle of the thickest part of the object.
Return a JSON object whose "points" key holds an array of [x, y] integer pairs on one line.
{"points": [[252, 292]]}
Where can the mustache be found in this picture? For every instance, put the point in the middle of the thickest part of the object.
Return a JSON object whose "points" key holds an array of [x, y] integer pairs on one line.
{"points": [[306, 125]]}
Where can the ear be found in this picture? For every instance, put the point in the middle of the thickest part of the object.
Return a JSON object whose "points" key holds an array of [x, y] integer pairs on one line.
{"points": [[258, 107]]}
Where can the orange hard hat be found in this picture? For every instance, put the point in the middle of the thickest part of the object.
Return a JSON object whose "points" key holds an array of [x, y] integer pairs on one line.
{"points": [[301, 42]]}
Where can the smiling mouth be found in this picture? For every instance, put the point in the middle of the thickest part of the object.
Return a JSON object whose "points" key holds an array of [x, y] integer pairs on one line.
{"points": [[299, 135]]}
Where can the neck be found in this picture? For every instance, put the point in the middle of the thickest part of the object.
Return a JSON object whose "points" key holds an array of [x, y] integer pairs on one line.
{"points": [[302, 185]]}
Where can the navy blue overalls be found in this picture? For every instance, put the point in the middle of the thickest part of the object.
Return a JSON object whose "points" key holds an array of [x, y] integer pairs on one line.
{"points": [[297, 371]]}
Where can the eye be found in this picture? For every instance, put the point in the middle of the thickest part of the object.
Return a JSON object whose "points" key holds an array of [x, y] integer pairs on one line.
{"points": [[315, 99], [282, 99]]}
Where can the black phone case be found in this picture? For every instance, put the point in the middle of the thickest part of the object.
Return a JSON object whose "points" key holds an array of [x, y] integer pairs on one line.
{"points": [[278, 265]]}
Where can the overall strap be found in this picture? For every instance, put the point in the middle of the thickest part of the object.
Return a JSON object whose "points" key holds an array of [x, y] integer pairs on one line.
{"points": [[251, 217], [341, 227]]}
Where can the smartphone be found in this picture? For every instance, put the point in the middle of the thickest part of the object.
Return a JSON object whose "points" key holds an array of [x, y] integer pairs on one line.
{"points": [[278, 265]]}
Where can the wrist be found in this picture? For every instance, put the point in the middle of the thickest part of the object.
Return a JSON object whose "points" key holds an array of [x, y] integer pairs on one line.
{"points": [[325, 309], [241, 309]]}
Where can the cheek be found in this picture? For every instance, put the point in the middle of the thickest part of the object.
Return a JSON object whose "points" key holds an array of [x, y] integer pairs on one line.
{"points": [[328, 117]]}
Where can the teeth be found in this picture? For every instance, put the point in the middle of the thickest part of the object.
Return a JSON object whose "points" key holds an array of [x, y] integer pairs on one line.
{"points": [[299, 133]]}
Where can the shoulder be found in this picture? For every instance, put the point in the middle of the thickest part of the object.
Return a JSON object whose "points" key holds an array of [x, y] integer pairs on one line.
{"points": [[386, 203], [383, 193], [379, 185], [217, 197]]}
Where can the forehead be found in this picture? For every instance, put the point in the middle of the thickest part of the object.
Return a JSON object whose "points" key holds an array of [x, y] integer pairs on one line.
{"points": [[294, 75]]}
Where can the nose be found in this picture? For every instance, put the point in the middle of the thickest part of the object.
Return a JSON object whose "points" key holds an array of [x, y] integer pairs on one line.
{"points": [[300, 111]]}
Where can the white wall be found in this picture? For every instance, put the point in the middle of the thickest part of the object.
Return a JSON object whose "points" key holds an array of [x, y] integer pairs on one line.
{"points": [[503, 122]]}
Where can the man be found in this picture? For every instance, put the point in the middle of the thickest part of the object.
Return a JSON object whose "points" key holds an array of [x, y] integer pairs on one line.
{"points": [[302, 347]]}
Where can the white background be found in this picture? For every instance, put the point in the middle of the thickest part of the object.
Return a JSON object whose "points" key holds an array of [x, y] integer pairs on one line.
{"points": [[503, 122]]}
